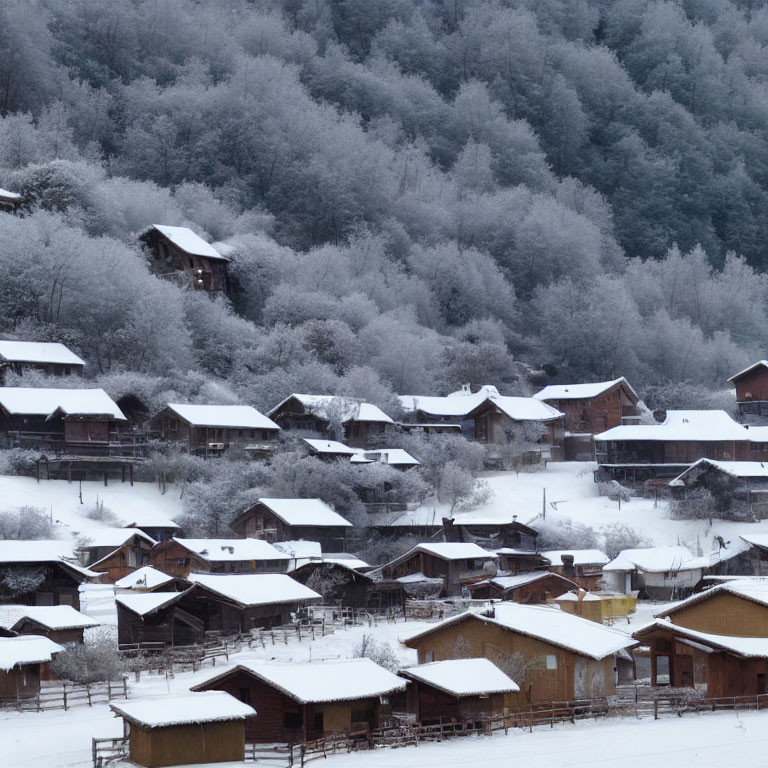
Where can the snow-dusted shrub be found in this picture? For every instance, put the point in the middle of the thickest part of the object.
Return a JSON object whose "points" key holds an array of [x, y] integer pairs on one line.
{"points": [[25, 523], [101, 513], [619, 536], [17, 580], [614, 490], [18, 461], [377, 650], [91, 662], [566, 534]]}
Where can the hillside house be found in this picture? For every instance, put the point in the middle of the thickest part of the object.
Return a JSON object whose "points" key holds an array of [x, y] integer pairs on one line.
{"points": [[115, 552], [584, 566], [491, 532], [458, 690], [45, 577], [60, 623], [392, 457], [179, 557], [291, 520], [354, 422], [149, 579], [50, 358], [457, 565], [635, 453], [513, 561], [448, 413], [564, 657], [22, 660], [179, 254], [189, 729], [209, 430], [302, 702], [330, 450], [10, 202], [154, 525], [530, 588], [336, 582], [752, 392]]}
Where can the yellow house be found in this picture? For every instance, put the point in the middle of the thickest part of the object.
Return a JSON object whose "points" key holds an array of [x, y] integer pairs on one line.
{"points": [[597, 606]]}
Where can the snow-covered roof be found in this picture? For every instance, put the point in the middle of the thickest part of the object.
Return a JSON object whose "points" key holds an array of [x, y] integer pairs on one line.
{"points": [[455, 551], [9, 195], [457, 404], [579, 391], [748, 369], [392, 456], [163, 711], [682, 426], [580, 556], [147, 602], [230, 416], [732, 468], [255, 588], [56, 617], [305, 512], [570, 597], [463, 677], [26, 649], [525, 408], [28, 401], [329, 446], [749, 647], [754, 590], [324, 681], [301, 549], [189, 242], [143, 578], [37, 551], [565, 630], [756, 539], [652, 560], [226, 550], [348, 561], [144, 519], [37, 352], [97, 538], [350, 409], [519, 579]]}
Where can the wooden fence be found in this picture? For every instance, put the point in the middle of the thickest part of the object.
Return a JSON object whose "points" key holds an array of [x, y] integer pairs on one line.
{"points": [[65, 695], [104, 751]]}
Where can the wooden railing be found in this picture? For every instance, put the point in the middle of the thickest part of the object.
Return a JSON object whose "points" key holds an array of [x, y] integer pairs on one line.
{"points": [[65, 695], [104, 751]]}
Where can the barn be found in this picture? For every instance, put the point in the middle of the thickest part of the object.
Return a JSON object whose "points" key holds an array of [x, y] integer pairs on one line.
{"points": [[115, 552]]}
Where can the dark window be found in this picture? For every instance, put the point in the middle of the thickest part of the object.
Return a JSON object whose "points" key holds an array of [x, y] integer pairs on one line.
{"points": [[292, 720], [245, 695], [318, 721]]}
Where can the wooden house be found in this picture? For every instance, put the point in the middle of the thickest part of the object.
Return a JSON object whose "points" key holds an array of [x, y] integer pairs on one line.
{"points": [[231, 604], [449, 413], [336, 582], [530, 588], [719, 665], [51, 579], [497, 532], [456, 564], [189, 729], [635, 453], [60, 623], [752, 392], [76, 421], [597, 606], [459, 690], [354, 422], [593, 408], [115, 552], [179, 254], [209, 430], [53, 359], [21, 660], [154, 525], [329, 450], [513, 561], [583, 566], [299, 702], [392, 457], [149, 579], [10, 202], [562, 657], [293, 519], [179, 557]]}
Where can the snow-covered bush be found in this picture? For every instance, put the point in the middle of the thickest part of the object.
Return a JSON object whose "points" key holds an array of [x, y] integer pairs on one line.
{"points": [[25, 523], [377, 650], [566, 534], [619, 536], [91, 662]]}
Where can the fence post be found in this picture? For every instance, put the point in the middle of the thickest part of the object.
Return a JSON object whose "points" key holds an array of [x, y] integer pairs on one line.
{"points": [[655, 709], [88, 691], [65, 697], [109, 690]]}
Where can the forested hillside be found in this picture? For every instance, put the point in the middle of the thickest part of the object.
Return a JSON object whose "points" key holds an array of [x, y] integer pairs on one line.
{"points": [[413, 194]]}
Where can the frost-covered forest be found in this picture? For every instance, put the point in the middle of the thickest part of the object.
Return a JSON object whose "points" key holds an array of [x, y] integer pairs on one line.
{"points": [[414, 195]]}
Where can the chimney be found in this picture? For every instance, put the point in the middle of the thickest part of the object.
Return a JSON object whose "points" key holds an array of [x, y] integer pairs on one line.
{"points": [[568, 567]]}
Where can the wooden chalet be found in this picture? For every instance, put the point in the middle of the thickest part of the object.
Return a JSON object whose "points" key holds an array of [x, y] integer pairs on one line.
{"points": [[583, 566], [513, 561], [60, 623], [293, 519], [459, 690], [50, 579], [155, 526], [209, 430], [230, 604], [336, 582], [10, 202], [635, 453], [299, 702], [752, 392], [329, 450], [53, 359], [530, 588], [455, 564], [190, 729], [115, 552], [719, 665], [179, 254], [354, 422], [449, 413], [564, 657], [179, 557], [491, 532], [22, 660]]}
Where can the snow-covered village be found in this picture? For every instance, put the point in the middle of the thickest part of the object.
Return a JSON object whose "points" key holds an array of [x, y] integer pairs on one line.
{"points": [[383, 383]]}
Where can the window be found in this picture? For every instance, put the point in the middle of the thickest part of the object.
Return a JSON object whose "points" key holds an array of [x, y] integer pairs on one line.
{"points": [[429, 656], [318, 721], [245, 695], [292, 720], [551, 661]]}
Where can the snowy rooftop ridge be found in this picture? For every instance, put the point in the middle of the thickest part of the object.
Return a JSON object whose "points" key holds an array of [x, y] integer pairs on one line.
{"points": [[9, 195], [748, 647], [580, 556], [37, 352], [55, 617], [463, 677], [323, 681], [350, 409], [455, 551], [749, 589], [732, 468], [521, 579], [393, 456], [250, 589], [305, 512], [143, 578], [28, 401], [329, 446], [225, 550], [163, 711], [26, 649], [230, 416], [579, 391], [651, 559], [113, 537], [758, 364], [189, 241], [689, 425], [145, 603]]}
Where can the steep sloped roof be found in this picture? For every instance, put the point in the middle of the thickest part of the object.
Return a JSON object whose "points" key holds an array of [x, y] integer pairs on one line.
{"points": [[231, 416], [305, 512], [652, 560], [28, 401], [56, 617], [754, 590], [739, 469], [463, 677], [189, 242], [747, 647], [143, 578], [227, 550], [580, 391], [26, 649], [113, 537], [37, 352], [350, 409], [455, 551], [249, 589], [749, 369], [682, 426]]}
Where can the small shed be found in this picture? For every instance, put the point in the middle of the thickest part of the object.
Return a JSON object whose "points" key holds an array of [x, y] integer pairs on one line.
{"points": [[149, 579], [531, 588], [115, 552], [60, 623], [21, 659], [298, 702], [597, 606], [190, 729], [458, 689], [51, 358], [291, 520]]}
